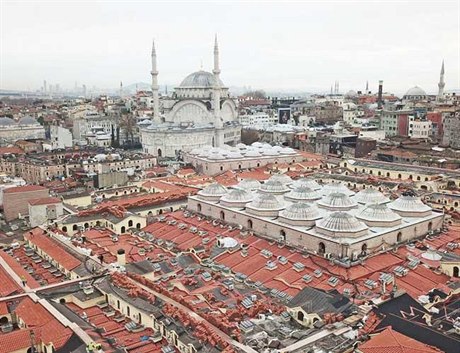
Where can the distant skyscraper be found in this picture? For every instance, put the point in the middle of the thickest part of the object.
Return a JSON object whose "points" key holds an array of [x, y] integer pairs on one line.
{"points": [[121, 89], [441, 83], [44, 86]]}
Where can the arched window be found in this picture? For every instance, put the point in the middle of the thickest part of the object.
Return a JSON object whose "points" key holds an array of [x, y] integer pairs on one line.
{"points": [[128, 311], [86, 225], [364, 249], [321, 248], [239, 166], [159, 152], [222, 215], [64, 229], [399, 237], [130, 223], [388, 175], [283, 235], [399, 176], [221, 168], [3, 320], [138, 226], [250, 223], [123, 229], [198, 207], [418, 178], [300, 316], [74, 227], [455, 271]]}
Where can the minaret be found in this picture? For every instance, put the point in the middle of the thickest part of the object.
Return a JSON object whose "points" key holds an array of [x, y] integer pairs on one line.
{"points": [[154, 73], [121, 89], [441, 83], [367, 87], [216, 88]]}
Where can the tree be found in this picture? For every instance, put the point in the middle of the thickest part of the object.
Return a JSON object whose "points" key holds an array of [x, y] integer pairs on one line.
{"points": [[249, 136], [128, 124]]}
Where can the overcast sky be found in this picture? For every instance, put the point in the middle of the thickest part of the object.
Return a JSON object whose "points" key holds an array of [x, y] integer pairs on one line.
{"points": [[303, 45]]}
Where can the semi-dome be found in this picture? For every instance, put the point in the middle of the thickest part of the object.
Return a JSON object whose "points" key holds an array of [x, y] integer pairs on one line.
{"points": [[265, 202], [336, 187], [213, 190], [274, 186], [337, 201], [370, 195], [341, 222], [249, 184], [201, 79], [303, 193], [415, 91], [301, 211], [408, 205], [304, 182], [5, 121], [378, 212], [282, 178], [27, 120], [238, 196]]}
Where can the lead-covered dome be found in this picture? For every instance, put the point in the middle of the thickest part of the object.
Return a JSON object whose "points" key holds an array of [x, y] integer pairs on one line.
{"points": [[415, 91], [303, 193], [201, 79], [337, 201], [379, 215], [236, 198], [370, 195], [300, 211], [5, 121], [282, 178], [341, 223], [264, 201], [249, 184], [27, 120], [305, 182], [213, 191], [336, 187], [274, 186], [410, 206]]}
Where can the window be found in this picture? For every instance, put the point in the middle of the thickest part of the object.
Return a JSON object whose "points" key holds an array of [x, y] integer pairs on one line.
{"points": [[222, 215], [283, 235], [123, 229], [399, 237], [321, 248], [198, 207], [138, 226], [130, 223], [250, 223]]}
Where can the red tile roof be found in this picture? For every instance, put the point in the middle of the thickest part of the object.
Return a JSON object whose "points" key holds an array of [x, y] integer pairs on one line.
{"points": [[26, 188], [19, 270], [44, 201], [15, 341], [8, 285], [389, 341], [53, 249], [11, 150]]}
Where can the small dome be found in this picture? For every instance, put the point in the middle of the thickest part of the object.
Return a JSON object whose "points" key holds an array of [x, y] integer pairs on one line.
{"points": [[370, 195], [237, 195], [282, 178], [351, 93], [336, 187], [309, 183], [214, 189], [5, 121], [234, 155], [341, 222], [378, 212], [195, 151], [249, 184], [303, 193], [252, 153], [265, 201], [27, 120], [274, 186], [415, 91], [200, 79], [269, 152], [216, 156], [288, 150], [337, 201], [301, 211], [257, 144], [409, 204]]}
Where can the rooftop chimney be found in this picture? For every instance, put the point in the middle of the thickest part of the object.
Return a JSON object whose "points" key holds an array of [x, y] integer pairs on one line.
{"points": [[121, 257], [380, 98]]}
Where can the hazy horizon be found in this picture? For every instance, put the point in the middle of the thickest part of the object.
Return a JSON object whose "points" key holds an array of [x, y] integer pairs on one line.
{"points": [[299, 46]]}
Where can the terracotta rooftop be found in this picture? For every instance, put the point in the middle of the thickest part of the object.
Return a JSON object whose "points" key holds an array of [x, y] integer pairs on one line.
{"points": [[389, 341], [44, 201], [15, 341], [26, 188]]}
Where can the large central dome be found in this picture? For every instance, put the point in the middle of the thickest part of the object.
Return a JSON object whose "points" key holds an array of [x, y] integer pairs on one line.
{"points": [[201, 79]]}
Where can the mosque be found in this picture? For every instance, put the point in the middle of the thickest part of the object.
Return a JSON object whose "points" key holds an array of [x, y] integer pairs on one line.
{"points": [[330, 220], [200, 113]]}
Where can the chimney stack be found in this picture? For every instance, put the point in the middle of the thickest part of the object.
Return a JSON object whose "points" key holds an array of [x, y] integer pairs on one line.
{"points": [[380, 98], [121, 257]]}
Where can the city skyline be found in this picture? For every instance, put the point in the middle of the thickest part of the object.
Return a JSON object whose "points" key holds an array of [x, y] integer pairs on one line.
{"points": [[289, 49]]}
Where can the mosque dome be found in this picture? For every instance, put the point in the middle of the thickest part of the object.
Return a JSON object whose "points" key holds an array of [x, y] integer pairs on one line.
{"points": [[265, 201], [200, 79], [309, 183], [5, 121], [303, 193], [341, 222], [301, 212], [351, 93], [274, 186], [370, 195], [415, 91], [409, 205], [378, 212], [213, 190], [28, 120], [237, 196], [249, 184], [336, 187], [337, 201]]}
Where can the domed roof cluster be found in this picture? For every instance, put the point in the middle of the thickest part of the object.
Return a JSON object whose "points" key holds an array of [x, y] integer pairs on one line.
{"points": [[241, 151], [337, 201], [201, 79], [27, 120], [341, 222], [370, 195], [301, 212], [409, 205]]}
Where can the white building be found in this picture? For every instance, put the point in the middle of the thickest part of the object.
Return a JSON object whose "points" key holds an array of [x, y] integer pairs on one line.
{"points": [[257, 119], [60, 137], [201, 113], [419, 129], [26, 128], [44, 209]]}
